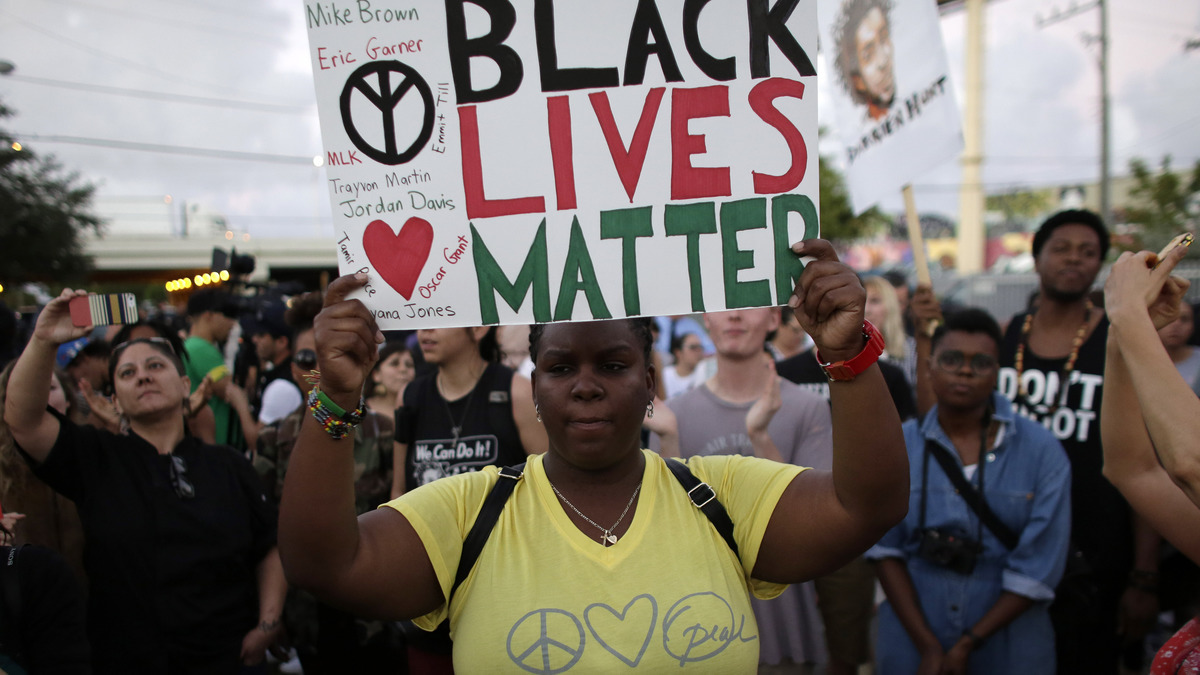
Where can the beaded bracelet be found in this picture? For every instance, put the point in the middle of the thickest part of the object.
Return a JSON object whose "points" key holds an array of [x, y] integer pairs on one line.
{"points": [[333, 419]]}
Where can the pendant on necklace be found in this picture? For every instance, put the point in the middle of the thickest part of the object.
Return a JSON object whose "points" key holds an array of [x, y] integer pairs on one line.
{"points": [[608, 537]]}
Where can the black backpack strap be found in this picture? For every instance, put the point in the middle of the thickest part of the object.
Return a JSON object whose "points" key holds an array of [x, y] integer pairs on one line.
{"points": [[705, 499], [486, 520], [974, 500]]}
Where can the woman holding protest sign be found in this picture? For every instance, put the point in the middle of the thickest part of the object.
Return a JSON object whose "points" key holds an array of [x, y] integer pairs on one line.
{"points": [[597, 529]]}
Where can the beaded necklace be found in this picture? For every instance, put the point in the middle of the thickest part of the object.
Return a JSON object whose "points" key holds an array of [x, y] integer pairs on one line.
{"points": [[1065, 374]]}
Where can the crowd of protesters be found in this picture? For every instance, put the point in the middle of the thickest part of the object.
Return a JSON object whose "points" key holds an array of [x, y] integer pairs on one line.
{"points": [[143, 468]]}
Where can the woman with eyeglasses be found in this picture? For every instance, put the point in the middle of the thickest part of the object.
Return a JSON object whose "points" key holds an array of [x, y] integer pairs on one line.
{"points": [[970, 572], [180, 540]]}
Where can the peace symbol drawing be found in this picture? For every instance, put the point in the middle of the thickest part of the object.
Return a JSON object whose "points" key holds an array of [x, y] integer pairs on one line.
{"points": [[546, 641], [384, 98]]}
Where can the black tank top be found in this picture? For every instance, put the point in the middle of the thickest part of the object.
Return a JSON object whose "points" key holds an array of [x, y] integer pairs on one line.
{"points": [[488, 434], [1101, 525]]}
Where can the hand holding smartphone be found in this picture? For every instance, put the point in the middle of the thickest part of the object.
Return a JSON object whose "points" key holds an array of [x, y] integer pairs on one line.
{"points": [[103, 310]]}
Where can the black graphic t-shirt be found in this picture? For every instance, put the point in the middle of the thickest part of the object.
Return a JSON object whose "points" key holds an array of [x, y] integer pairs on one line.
{"points": [[489, 435], [1101, 519]]}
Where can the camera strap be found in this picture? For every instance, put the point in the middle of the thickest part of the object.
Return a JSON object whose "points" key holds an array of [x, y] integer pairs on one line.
{"points": [[973, 497]]}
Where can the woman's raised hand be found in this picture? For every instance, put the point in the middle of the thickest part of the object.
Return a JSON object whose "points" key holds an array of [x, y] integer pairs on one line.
{"points": [[1140, 284], [829, 301], [347, 342], [54, 323]]}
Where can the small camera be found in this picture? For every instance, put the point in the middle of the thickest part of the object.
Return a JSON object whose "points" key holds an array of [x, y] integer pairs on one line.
{"points": [[955, 553]]}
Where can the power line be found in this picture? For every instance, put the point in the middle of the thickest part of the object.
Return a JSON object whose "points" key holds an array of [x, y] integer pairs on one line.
{"points": [[175, 77], [164, 96], [175, 24], [171, 149], [241, 12]]}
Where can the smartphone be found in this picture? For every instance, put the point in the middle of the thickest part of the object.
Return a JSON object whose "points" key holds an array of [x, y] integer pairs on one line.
{"points": [[1184, 239], [103, 310]]}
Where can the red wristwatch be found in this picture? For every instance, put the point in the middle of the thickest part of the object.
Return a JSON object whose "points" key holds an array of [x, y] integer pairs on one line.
{"points": [[844, 371]]}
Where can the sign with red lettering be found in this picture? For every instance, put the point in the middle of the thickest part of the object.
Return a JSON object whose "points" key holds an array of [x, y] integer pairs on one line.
{"points": [[896, 112], [513, 161]]}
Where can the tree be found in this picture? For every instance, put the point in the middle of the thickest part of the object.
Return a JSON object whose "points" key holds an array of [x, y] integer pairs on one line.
{"points": [[1020, 206], [43, 214], [838, 221], [1163, 203]]}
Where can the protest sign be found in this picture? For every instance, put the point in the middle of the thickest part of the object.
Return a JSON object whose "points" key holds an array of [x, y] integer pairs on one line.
{"points": [[896, 113], [540, 160]]}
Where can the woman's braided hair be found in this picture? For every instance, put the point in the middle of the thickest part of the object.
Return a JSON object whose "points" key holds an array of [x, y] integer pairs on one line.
{"points": [[639, 326]]}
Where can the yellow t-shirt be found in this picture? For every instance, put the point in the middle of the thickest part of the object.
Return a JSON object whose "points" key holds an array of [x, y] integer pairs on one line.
{"points": [[546, 598]]}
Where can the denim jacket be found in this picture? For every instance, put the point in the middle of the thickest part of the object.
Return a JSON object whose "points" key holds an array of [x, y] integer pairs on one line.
{"points": [[1027, 484]]}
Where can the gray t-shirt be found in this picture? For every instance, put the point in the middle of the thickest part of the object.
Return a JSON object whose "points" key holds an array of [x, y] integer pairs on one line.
{"points": [[802, 429], [790, 626]]}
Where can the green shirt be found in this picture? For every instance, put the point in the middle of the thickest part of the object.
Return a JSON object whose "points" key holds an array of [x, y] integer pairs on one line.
{"points": [[204, 358]]}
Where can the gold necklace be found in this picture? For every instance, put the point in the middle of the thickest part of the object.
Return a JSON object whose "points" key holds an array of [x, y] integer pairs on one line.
{"points": [[1065, 374]]}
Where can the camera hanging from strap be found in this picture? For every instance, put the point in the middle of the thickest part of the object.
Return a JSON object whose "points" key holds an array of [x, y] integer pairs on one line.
{"points": [[972, 496]]}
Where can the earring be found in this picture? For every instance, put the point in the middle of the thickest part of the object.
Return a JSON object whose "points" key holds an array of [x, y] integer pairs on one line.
{"points": [[650, 409], [537, 410]]}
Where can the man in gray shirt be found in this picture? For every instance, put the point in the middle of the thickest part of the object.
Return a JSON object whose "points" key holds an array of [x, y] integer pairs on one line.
{"points": [[746, 409]]}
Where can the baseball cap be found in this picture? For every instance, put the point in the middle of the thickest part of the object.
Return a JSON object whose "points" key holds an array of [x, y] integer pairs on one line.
{"points": [[69, 350], [269, 320]]}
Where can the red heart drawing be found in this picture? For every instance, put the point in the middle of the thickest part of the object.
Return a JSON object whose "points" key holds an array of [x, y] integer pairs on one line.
{"points": [[399, 258]]}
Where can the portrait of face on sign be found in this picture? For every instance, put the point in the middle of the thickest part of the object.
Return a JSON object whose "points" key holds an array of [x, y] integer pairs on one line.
{"points": [[895, 109], [865, 64]]}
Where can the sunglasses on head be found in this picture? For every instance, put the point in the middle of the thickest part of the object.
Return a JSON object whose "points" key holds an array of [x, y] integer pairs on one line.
{"points": [[305, 359], [952, 360], [179, 481], [151, 340]]}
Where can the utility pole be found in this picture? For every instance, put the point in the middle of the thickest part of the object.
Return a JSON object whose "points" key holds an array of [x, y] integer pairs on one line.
{"points": [[1105, 176], [1105, 182], [970, 196]]}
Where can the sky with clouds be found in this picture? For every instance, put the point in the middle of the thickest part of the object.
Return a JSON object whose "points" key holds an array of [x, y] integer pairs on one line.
{"points": [[213, 103]]}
